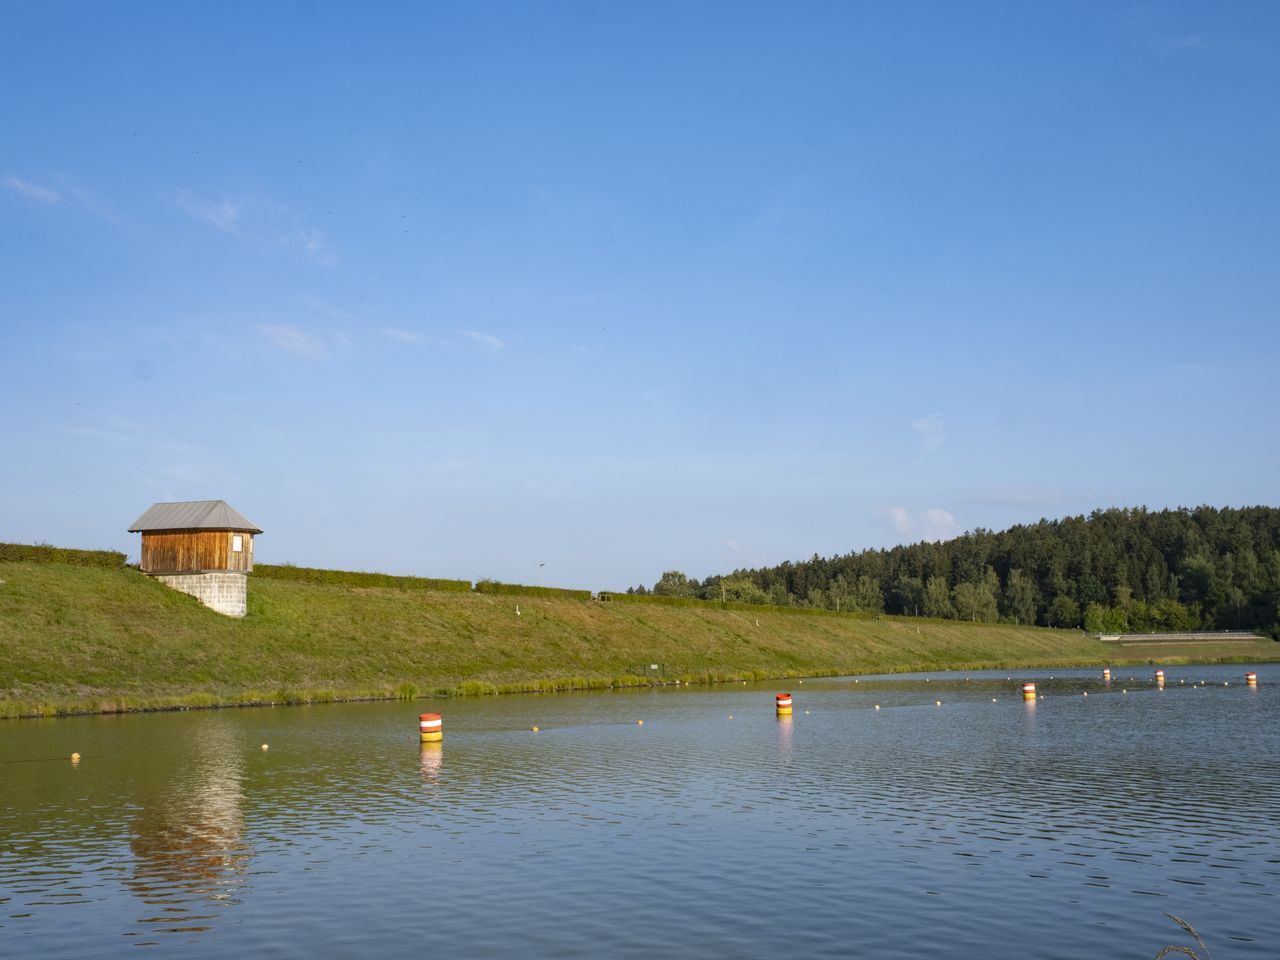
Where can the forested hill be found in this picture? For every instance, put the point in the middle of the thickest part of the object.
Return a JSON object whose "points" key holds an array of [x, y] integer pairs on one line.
{"points": [[1112, 571]]}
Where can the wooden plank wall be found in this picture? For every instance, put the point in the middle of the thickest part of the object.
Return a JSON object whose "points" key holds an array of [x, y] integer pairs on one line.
{"points": [[176, 551]]}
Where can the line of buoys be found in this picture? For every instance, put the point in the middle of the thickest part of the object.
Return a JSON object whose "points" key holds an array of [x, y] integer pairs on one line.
{"points": [[430, 727]]}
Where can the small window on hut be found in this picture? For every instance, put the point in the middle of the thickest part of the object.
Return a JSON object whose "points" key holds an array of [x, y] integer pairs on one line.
{"points": [[237, 543]]}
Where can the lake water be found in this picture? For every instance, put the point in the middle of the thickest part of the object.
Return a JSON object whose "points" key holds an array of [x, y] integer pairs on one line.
{"points": [[1063, 828]]}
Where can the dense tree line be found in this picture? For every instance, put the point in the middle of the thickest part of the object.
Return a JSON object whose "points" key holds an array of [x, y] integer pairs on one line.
{"points": [[1113, 571]]}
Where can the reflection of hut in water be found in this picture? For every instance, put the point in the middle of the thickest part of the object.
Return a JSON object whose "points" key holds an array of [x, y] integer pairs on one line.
{"points": [[188, 844]]}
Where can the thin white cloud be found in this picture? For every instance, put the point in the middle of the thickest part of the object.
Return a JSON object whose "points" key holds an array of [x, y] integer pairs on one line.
{"points": [[931, 525], [932, 432], [66, 194], [33, 192], [225, 215], [901, 518], [91, 204], [293, 340], [404, 336], [937, 524], [263, 226], [484, 339], [312, 243]]}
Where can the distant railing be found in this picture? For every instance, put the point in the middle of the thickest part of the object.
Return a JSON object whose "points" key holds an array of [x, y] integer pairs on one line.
{"points": [[1190, 635]]}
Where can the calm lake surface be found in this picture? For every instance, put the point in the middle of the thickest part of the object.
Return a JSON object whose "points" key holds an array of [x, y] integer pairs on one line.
{"points": [[1063, 828]]}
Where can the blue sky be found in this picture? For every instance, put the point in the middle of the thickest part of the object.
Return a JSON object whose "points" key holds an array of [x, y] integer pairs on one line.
{"points": [[462, 289]]}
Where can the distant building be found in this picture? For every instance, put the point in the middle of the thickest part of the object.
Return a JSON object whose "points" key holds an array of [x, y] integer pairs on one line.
{"points": [[201, 547]]}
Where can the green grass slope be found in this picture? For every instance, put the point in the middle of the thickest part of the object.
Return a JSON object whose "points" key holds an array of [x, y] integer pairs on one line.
{"points": [[82, 639]]}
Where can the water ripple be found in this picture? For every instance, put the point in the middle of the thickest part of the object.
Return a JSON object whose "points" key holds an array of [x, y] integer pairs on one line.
{"points": [[846, 829]]}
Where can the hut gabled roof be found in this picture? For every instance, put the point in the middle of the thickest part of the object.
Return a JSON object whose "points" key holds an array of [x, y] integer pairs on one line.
{"points": [[192, 515]]}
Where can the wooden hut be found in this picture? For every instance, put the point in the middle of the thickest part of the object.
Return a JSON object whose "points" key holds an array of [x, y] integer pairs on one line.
{"points": [[201, 547]]}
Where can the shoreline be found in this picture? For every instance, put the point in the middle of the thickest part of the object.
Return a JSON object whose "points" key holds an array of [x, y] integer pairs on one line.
{"points": [[119, 704], [77, 640]]}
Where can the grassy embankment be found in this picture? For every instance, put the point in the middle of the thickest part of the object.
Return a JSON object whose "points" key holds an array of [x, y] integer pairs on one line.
{"points": [[77, 639]]}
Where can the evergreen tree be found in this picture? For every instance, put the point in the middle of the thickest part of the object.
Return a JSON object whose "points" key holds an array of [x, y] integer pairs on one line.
{"points": [[937, 599], [1133, 569]]}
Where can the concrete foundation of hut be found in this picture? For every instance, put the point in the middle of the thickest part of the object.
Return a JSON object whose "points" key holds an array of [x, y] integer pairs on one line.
{"points": [[226, 593]]}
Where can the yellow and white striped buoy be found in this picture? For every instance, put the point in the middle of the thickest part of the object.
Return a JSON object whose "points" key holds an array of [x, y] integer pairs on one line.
{"points": [[782, 703], [1028, 691]]}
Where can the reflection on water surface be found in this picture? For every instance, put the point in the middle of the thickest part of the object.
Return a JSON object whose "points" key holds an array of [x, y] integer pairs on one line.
{"points": [[187, 835], [967, 826]]}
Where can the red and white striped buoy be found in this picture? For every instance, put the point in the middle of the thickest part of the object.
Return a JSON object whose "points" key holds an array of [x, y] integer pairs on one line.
{"points": [[783, 704], [1106, 674], [430, 727], [1028, 691], [1251, 678], [1159, 678]]}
